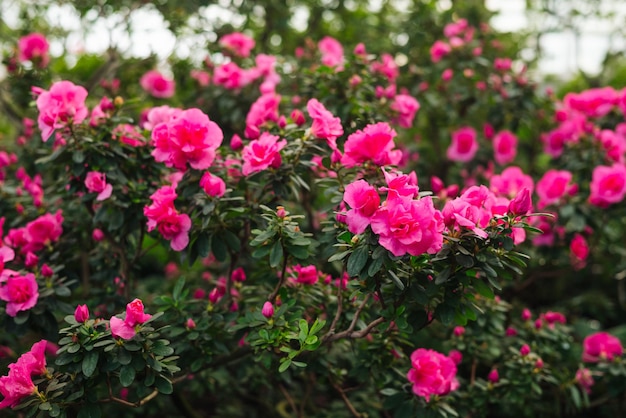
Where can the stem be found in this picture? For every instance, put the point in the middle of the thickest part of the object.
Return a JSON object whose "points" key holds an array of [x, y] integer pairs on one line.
{"points": [[292, 404], [356, 334], [281, 281], [333, 324], [343, 395]]}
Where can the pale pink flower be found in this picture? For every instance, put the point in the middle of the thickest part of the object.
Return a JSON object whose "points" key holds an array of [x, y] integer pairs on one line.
{"points": [[332, 52], [553, 186], [601, 346], [34, 47], [505, 147], [608, 185], [157, 85], [374, 143], [96, 182], [364, 201], [20, 292], [202, 77], [262, 153], [160, 114], [511, 182], [585, 379], [432, 373], [64, 104], [405, 107], [238, 43], [464, 145], [213, 185]]}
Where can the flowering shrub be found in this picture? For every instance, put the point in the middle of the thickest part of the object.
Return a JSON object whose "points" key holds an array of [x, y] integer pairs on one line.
{"points": [[281, 237]]}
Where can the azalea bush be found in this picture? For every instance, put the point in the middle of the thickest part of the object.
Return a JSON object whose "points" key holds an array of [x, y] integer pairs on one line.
{"points": [[327, 233]]}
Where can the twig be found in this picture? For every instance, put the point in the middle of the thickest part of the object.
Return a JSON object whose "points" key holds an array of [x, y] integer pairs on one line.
{"points": [[333, 324], [355, 334], [353, 411], [292, 404], [473, 372], [281, 281]]}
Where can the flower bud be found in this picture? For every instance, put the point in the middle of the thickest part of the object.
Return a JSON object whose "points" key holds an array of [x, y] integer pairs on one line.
{"points": [[298, 117], [81, 314], [525, 350], [190, 324], [526, 315], [521, 204], [493, 376], [458, 331], [539, 364], [268, 309], [238, 275], [46, 271], [236, 143], [97, 235]]}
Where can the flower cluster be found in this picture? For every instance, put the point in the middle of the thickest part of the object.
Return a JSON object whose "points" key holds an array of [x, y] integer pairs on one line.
{"points": [[163, 216]]}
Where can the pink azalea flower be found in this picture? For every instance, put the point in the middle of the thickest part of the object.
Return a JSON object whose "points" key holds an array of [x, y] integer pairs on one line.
{"points": [[432, 373], [504, 147], [325, 124], [157, 85], [608, 185], [212, 185], [585, 379], [238, 43], [511, 182], [406, 107], [364, 201], [191, 138], [601, 346], [502, 64], [127, 328], [262, 153], [387, 67], [81, 313], [455, 28], [64, 104], [268, 309], [18, 384], [592, 102], [128, 134], [161, 114], [163, 216], [231, 76], [439, 50], [332, 52], [552, 187], [464, 145], [305, 275], [20, 292], [264, 109], [34, 47], [96, 183], [579, 250], [374, 143]]}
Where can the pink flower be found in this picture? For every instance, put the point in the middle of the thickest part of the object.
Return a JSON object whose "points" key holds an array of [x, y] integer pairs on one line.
{"points": [[20, 292], [264, 109], [191, 138], [432, 373], [526, 314], [579, 247], [584, 379], [34, 47], [305, 275], [608, 185], [128, 134], [231, 76], [387, 67], [374, 143], [456, 356], [525, 350], [163, 215], [439, 50], [332, 52], [447, 74], [202, 77], [213, 185], [493, 376], [16, 386], [325, 124], [504, 147], [464, 145], [458, 331], [238, 43], [81, 313], [262, 153], [364, 201], [406, 107], [409, 226], [455, 28], [511, 182], [157, 85], [268, 310], [601, 346], [502, 64], [593, 102], [96, 183], [553, 186], [64, 104], [160, 114], [190, 324], [127, 328], [521, 204]]}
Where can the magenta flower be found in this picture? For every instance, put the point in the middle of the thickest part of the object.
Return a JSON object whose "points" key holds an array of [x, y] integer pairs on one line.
{"points": [[64, 104], [505, 147], [81, 313], [213, 185], [439, 50], [579, 247], [268, 310], [521, 204], [511, 182], [432, 373], [364, 201], [163, 216], [553, 186], [191, 138], [325, 124], [601, 346], [262, 153], [20, 292], [405, 107], [238, 43], [305, 275], [34, 47], [494, 376], [332, 52], [96, 183], [374, 143], [464, 145], [127, 328], [608, 185], [157, 85], [264, 109], [231, 76], [18, 384]]}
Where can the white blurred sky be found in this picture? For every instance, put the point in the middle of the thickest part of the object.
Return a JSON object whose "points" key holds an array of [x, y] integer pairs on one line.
{"points": [[563, 54]]}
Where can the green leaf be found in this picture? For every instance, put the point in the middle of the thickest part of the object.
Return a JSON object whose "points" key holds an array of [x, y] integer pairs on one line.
{"points": [[374, 266], [358, 260], [124, 357], [90, 362], [304, 330], [218, 248], [127, 375], [396, 280], [483, 289], [443, 276], [90, 410], [262, 237], [339, 256], [284, 365], [232, 240], [465, 260], [203, 244], [276, 254], [178, 288], [78, 157], [163, 385]]}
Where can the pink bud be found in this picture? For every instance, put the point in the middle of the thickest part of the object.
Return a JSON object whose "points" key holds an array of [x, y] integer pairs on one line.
{"points": [[282, 121], [521, 204], [81, 314], [538, 323], [539, 364], [458, 331], [280, 212], [456, 356], [298, 117], [359, 49], [526, 315], [493, 376], [214, 296], [525, 350], [355, 80], [236, 143], [31, 260], [97, 235], [436, 184], [199, 294], [268, 309], [46, 271], [511, 332], [238, 275], [190, 324]]}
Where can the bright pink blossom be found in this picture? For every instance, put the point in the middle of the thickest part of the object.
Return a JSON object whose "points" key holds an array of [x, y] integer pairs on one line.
{"points": [[213, 185], [405, 107], [34, 47], [432, 373], [505, 147], [96, 183], [64, 104], [464, 145], [325, 124], [262, 153], [160, 114], [127, 328], [238, 43], [439, 50], [18, 384], [374, 143], [332, 52], [511, 182], [552, 187], [231, 76], [608, 185], [592, 102], [20, 292], [494, 376], [81, 313], [601, 346], [306, 274], [264, 109], [157, 85], [521, 204], [364, 201], [163, 216], [268, 309]]}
